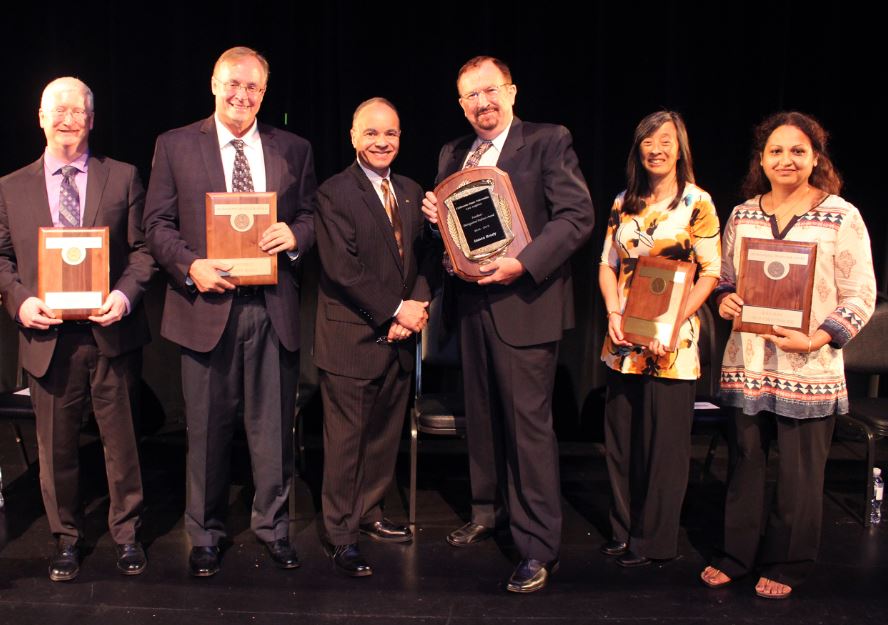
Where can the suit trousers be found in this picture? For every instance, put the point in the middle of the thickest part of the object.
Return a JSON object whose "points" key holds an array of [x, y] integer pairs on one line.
{"points": [[248, 370], [363, 420], [78, 374], [647, 433], [513, 452], [787, 543]]}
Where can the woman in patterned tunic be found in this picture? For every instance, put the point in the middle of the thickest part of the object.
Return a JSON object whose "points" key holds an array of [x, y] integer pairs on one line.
{"points": [[650, 398], [789, 385]]}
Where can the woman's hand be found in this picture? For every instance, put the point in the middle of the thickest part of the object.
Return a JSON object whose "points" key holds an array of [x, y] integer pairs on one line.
{"points": [[730, 306], [657, 348], [791, 341], [614, 321]]}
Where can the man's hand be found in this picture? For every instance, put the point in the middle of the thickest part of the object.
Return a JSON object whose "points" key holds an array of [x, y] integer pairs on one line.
{"points": [[502, 271], [413, 315], [397, 332], [35, 314], [278, 238], [111, 311], [430, 207], [204, 272]]}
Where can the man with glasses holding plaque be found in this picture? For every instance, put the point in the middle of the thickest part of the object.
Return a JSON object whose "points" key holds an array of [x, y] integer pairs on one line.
{"points": [[240, 344], [511, 320], [70, 363]]}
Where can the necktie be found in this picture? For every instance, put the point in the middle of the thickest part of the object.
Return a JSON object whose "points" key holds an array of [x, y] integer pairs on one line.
{"points": [[241, 178], [69, 199], [475, 158], [391, 209]]}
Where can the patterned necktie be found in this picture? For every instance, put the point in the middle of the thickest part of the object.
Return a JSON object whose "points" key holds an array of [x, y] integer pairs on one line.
{"points": [[391, 209], [69, 198], [475, 158], [241, 178]]}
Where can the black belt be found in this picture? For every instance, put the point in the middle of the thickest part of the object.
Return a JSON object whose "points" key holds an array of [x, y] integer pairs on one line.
{"points": [[247, 292]]}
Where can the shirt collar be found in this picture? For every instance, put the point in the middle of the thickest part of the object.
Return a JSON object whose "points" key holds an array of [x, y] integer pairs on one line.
{"points": [[373, 176], [498, 141], [53, 163], [251, 138]]}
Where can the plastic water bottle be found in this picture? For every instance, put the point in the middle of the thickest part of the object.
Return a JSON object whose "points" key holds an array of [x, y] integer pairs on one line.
{"points": [[876, 509]]}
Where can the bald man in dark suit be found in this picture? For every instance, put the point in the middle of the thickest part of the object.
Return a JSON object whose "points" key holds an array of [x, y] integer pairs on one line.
{"points": [[373, 297]]}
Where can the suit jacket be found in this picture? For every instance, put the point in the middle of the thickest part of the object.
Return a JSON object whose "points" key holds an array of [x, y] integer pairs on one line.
{"points": [[363, 278], [114, 198], [187, 165], [555, 201]]}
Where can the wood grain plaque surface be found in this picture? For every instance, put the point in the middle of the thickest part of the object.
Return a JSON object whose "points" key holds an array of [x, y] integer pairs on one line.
{"points": [[479, 219], [235, 223], [657, 298], [73, 270], [775, 282]]}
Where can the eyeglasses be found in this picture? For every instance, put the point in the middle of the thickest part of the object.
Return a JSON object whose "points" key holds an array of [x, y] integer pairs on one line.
{"points": [[78, 115], [232, 86], [492, 93]]}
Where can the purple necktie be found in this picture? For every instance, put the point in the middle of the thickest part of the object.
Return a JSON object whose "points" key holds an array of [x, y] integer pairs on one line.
{"points": [[69, 198]]}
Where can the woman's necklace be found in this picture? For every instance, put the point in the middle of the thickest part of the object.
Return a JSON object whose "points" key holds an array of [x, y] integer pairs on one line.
{"points": [[784, 211]]}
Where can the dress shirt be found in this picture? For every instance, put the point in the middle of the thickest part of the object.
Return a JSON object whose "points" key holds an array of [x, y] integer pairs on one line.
{"points": [[252, 150], [491, 156]]}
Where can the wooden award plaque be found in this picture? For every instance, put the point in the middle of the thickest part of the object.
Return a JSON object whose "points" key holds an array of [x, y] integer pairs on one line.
{"points": [[235, 223], [479, 219], [775, 282], [657, 298], [73, 270]]}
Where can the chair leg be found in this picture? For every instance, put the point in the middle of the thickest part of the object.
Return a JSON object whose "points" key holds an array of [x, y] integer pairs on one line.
{"points": [[414, 443], [870, 462], [20, 441], [710, 455]]}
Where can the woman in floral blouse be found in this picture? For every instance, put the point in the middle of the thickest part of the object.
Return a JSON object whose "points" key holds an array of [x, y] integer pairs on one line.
{"points": [[789, 385], [650, 398]]}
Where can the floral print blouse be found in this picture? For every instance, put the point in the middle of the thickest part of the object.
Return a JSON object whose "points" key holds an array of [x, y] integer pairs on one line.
{"points": [[689, 232]]}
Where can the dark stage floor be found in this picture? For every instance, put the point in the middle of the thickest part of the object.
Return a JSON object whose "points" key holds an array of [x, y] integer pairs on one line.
{"points": [[427, 581]]}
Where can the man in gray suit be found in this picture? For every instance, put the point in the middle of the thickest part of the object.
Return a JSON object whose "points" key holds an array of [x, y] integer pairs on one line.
{"points": [[239, 344], [73, 362]]}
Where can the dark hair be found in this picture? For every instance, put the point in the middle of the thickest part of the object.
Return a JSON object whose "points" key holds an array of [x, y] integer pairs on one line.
{"points": [[637, 183], [823, 177], [480, 60]]}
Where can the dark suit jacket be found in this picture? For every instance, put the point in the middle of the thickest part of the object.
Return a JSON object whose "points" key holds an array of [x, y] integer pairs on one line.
{"points": [[114, 198], [363, 278], [188, 165], [554, 198]]}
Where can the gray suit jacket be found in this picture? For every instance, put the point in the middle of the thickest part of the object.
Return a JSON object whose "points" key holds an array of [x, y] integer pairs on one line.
{"points": [[188, 165]]}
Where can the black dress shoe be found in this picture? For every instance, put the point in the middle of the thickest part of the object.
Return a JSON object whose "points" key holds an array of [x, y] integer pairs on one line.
{"points": [[349, 561], [531, 575], [387, 532], [65, 563], [283, 554], [204, 561], [631, 560], [469, 534], [614, 548], [131, 558]]}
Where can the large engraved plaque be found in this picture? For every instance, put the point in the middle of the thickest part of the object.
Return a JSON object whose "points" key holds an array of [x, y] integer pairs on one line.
{"points": [[657, 299], [235, 223], [479, 219], [775, 282], [73, 270]]}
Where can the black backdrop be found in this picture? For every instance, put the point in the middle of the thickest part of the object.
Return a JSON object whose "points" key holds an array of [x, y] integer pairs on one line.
{"points": [[595, 67]]}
